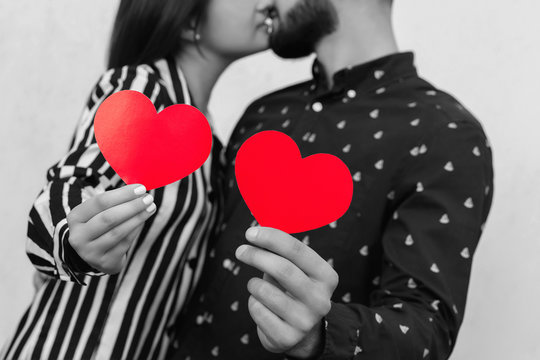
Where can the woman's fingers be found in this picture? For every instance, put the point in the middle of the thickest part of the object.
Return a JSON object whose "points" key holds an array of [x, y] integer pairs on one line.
{"points": [[108, 253], [136, 232], [113, 264], [108, 220], [102, 202], [122, 233], [111, 222], [115, 259]]}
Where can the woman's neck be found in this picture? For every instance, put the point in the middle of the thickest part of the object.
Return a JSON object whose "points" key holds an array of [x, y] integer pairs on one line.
{"points": [[201, 72]]}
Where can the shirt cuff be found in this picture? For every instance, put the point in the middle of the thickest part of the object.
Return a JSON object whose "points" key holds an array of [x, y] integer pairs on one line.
{"points": [[69, 265], [341, 334]]}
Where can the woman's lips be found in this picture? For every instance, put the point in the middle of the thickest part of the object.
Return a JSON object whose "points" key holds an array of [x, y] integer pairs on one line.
{"points": [[269, 23], [270, 18]]}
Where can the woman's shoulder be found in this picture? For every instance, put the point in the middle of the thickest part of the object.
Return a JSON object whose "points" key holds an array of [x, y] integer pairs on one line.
{"points": [[127, 76], [145, 78]]}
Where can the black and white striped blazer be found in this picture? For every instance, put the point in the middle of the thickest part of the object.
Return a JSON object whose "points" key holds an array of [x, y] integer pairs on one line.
{"points": [[88, 315]]}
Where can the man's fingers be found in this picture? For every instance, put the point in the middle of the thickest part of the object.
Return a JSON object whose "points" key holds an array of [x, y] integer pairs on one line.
{"points": [[292, 249], [99, 203], [281, 304], [282, 270], [273, 281], [110, 219], [280, 336], [267, 343]]}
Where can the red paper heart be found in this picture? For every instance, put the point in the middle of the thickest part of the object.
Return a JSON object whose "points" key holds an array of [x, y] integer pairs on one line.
{"points": [[289, 193], [148, 148]]}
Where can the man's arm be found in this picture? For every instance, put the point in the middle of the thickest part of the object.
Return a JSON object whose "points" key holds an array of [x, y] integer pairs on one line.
{"points": [[427, 245]]}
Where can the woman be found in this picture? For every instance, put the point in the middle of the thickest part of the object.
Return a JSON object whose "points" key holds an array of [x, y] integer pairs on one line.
{"points": [[117, 268]]}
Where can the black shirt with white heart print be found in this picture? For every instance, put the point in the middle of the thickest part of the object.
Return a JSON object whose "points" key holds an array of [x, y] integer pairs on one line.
{"points": [[423, 185]]}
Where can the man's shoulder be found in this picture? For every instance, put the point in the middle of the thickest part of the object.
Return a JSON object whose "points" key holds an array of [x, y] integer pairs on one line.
{"points": [[435, 107], [283, 96]]}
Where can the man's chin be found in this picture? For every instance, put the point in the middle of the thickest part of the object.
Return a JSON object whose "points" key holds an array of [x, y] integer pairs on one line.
{"points": [[292, 55], [291, 50]]}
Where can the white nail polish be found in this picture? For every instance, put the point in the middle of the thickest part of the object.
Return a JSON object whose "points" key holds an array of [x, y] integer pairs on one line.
{"points": [[252, 233], [139, 190], [147, 200], [151, 208], [241, 249]]}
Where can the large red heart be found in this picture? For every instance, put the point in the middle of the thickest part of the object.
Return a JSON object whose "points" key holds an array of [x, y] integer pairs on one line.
{"points": [[148, 148], [288, 192]]}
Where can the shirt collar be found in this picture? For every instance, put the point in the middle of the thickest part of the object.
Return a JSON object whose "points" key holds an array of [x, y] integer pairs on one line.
{"points": [[366, 76]]}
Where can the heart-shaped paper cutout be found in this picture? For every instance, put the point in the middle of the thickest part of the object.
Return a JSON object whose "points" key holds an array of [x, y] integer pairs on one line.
{"points": [[288, 192], [148, 148]]}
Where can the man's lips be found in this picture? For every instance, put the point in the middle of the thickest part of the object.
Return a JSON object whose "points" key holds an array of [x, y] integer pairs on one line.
{"points": [[269, 23], [270, 19]]}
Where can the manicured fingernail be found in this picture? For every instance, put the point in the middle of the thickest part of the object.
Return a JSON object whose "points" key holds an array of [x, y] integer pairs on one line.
{"points": [[147, 200], [251, 233], [139, 190], [241, 249], [151, 208]]}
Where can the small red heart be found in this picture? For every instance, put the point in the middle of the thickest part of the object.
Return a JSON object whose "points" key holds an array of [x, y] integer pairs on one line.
{"points": [[287, 192], [148, 148]]}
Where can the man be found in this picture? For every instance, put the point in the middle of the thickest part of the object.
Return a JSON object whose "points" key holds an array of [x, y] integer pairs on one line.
{"points": [[422, 172]]}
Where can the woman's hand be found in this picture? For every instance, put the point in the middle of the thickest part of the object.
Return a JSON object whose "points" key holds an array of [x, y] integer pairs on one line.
{"points": [[102, 229]]}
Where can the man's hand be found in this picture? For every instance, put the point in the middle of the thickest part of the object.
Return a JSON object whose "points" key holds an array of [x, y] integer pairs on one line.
{"points": [[290, 301], [102, 229]]}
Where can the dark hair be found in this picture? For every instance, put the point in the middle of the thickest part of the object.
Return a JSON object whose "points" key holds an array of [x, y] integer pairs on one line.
{"points": [[303, 27], [148, 30]]}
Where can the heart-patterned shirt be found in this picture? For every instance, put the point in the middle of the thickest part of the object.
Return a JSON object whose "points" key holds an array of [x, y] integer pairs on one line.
{"points": [[423, 185]]}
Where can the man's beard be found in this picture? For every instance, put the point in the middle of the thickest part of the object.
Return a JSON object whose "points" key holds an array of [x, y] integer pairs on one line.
{"points": [[303, 27]]}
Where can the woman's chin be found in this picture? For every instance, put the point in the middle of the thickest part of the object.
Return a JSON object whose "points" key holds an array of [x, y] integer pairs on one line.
{"points": [[257, 47], [252, 52]]}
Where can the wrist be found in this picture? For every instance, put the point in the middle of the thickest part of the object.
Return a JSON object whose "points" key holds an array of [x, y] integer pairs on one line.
{"points": [[312, 347], [73, 260]]}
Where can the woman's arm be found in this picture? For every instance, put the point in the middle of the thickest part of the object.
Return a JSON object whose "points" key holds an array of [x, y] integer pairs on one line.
{"points": [[81, 175]]}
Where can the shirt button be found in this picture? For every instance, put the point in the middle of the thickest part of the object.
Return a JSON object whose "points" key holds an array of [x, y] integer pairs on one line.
{"points": [[351, 94], [317, 107]]}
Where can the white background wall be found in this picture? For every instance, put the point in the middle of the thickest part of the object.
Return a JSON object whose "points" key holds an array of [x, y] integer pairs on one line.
{"points": [[486, 52]]}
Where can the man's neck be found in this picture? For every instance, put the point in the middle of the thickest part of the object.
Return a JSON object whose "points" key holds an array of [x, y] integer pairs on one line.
{"points": [[364, 34]]}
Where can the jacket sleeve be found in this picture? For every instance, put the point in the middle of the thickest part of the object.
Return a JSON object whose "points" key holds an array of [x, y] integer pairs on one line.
{"points": [[442, 201], [78, 176]]}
